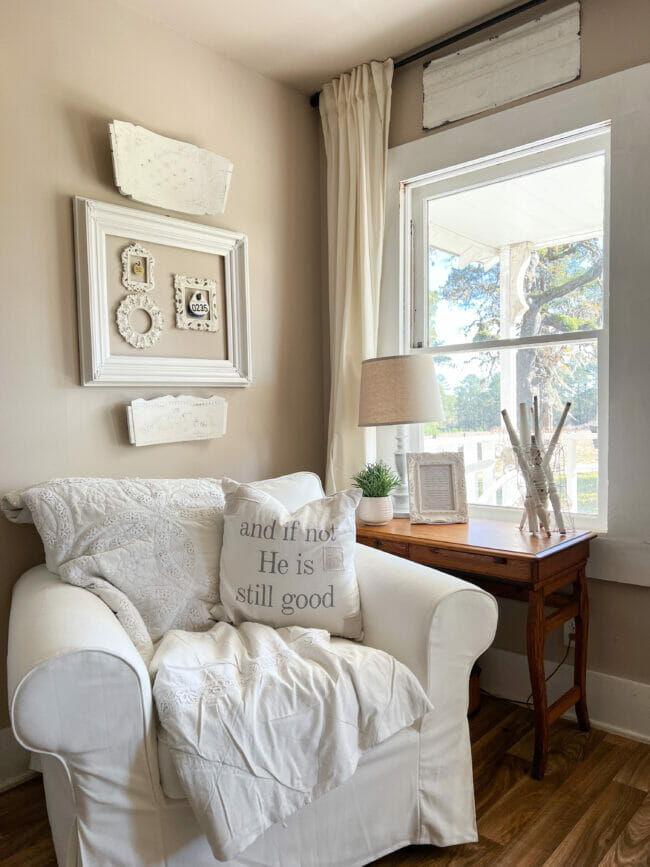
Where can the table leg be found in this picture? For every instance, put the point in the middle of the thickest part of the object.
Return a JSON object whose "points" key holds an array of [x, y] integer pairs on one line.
{"points": [[535, 641], [580, 658]]}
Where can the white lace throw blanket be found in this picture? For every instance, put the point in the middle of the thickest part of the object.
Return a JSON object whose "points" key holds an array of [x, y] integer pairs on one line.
{"points": [[260, 722]]}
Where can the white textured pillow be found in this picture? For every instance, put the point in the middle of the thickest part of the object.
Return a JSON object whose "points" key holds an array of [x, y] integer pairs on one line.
{"points": [[286, 569], [148, 547]]}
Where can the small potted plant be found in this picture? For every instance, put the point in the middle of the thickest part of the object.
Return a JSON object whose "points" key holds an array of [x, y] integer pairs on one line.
{"points": [[376, 481]]}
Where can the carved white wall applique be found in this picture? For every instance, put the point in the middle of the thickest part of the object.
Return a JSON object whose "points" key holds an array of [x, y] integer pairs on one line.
{"points": [[528, 59], [176, 419], [139, 301], [196, 303], [137, 269], [167, 173]]}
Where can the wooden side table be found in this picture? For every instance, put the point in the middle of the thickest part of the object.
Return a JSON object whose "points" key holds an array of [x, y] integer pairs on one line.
{"points": [[511, 564]]}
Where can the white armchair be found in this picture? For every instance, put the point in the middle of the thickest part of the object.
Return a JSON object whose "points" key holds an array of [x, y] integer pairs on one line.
{"points": [[80, 695]]}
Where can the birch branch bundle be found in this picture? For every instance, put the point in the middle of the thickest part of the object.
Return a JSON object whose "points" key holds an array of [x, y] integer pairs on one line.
{"points": [[535, 464]]}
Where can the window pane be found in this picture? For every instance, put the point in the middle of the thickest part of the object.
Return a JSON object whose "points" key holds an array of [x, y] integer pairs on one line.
{"points": [[519, 257], [463, 302], [476, 386]]}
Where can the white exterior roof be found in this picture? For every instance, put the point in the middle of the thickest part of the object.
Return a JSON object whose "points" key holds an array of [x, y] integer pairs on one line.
{"points": [[555, 205]]}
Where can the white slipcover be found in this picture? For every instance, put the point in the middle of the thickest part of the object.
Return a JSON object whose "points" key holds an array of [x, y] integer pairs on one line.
{"points": [[80, 695]]}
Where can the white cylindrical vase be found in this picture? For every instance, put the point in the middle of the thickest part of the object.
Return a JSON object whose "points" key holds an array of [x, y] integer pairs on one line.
{"points": [[375, 511]]}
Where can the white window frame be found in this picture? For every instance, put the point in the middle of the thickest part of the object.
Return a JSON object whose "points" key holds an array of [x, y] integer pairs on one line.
{"points": [[417, 191]]}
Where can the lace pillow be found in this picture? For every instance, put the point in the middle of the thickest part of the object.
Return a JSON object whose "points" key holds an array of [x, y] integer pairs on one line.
{"points": [[285, 569], [148, 547]]}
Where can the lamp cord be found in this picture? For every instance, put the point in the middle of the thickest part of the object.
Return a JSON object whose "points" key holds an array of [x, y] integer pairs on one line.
{"points": [[528, 703]]}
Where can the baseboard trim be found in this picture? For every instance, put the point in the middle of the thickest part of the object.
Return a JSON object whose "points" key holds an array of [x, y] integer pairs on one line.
{"points": [[615, 704], [14, 761]]}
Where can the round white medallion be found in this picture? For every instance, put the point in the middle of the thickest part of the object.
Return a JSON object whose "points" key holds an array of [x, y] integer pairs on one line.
{"points": [[139, 301]]}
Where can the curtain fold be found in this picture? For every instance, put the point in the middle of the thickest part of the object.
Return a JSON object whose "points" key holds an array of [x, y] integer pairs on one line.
{"points": [[355, 115]]}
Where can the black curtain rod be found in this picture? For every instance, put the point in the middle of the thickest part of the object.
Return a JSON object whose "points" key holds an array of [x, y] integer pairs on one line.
{"points": [[451, 40]]}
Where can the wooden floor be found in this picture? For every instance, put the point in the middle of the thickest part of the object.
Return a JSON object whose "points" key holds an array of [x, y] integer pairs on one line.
{"points": [[591, 810]]}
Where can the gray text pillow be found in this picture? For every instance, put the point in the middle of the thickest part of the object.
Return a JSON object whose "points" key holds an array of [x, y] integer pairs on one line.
{"points": [[284, 569]]}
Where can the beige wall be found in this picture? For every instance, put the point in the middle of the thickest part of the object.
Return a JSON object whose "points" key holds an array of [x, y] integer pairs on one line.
{"points": [[614, 38], [66, 69]]}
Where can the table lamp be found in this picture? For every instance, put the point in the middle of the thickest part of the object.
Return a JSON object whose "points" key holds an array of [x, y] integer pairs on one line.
{"points": [[399, 390]]}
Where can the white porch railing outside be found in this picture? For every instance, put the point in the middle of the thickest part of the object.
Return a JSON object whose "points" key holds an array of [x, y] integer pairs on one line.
{"points": [[491, 476]]}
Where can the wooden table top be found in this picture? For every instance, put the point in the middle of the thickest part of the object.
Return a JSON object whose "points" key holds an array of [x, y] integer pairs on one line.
{"points": [[498, 537]]}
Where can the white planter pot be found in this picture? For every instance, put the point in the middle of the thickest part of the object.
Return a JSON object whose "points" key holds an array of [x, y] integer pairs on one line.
{"points": [[375, 511]]}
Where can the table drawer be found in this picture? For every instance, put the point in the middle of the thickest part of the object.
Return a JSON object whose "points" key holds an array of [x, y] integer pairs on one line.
{"points": [[480, 564], [401, 549]]}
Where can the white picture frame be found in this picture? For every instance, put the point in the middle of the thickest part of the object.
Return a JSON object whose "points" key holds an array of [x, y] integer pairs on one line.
{"points": [[182, 285], [139, 301], [137, 251], [437, 490], [94, 221]]}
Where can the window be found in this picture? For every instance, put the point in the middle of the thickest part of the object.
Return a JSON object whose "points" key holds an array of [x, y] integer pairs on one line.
{"points": [[507, 258]]}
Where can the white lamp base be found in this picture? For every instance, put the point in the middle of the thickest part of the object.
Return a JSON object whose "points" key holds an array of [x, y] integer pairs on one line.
{"points": [[401, 493]]}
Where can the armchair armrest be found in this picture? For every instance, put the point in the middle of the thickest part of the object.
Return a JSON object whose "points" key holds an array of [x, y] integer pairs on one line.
{"points": [[80, 693], [69, 661], [434, 623]]}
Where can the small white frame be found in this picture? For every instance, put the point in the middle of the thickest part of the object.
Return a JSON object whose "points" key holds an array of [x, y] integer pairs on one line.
{"points": [[139, 301], [183, 318], [94, 221], [437, 490], [137, 251]]}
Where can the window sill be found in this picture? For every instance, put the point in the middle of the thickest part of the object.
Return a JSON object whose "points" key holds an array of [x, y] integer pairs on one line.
{"points": [[513, 515]]}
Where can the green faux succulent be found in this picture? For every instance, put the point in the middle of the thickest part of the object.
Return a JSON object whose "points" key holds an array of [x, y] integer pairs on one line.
{"points": [[376, 480]]}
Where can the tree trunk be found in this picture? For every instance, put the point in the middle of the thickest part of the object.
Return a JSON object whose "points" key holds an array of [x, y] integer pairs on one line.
{"points": [[530, 323]]}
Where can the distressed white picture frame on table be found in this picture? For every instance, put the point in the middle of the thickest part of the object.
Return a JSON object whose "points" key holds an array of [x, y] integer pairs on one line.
{"points": [[437, 489], [94, 221]]}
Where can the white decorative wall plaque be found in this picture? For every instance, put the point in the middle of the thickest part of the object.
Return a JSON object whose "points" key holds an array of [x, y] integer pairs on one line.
{"points": [[196, 303], [137, 269], [167, 173], [176, 419], [135, 301], [528, 59]]}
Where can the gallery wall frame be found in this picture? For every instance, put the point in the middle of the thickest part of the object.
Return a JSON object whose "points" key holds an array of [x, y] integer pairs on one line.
{"points": [[93, 222]]}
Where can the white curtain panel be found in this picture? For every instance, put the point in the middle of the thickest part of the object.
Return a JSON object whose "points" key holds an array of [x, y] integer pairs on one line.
{"points": [[355, 114]]}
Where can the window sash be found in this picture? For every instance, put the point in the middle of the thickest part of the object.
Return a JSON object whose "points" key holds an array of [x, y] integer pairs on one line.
{"points": [[417, 192], [414, 195], [516, 342]]}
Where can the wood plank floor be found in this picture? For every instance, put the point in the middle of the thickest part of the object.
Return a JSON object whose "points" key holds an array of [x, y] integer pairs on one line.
{"points": [[591, 810]]}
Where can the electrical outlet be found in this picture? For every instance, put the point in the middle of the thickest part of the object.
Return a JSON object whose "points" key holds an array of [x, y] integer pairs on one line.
{"points": [[569, 629]]}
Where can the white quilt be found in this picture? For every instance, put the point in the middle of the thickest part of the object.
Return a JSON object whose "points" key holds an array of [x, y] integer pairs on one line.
{"points": [[260, 722], [149, 548]]}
